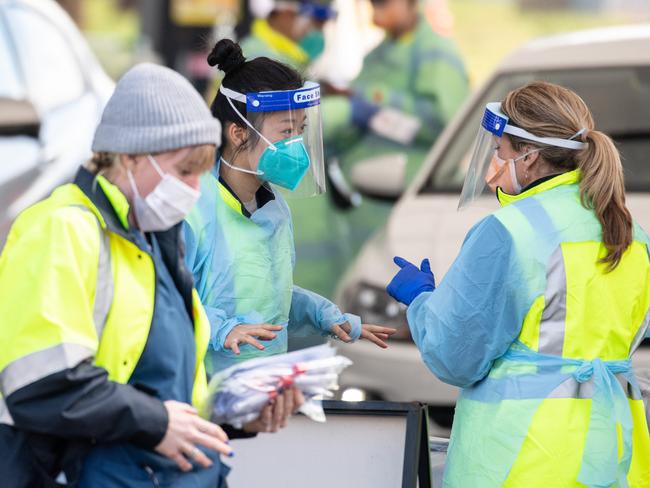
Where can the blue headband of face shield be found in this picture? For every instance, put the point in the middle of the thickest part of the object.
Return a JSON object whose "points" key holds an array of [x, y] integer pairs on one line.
{"points": [[318, 12], [496, 122], [285, 162]]}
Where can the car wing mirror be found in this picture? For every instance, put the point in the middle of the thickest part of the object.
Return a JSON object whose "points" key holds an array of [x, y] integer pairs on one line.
{"points": [[18, 118], [381, 177]]}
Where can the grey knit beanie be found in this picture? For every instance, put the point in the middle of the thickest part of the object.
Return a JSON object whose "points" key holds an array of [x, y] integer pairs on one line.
{"points": [[154, 109]]}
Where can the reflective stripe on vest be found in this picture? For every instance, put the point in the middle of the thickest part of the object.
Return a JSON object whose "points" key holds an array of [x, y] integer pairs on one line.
{"points": [[640, 335], [104, 289], [553, 323], [5, 416], [38, 365]]}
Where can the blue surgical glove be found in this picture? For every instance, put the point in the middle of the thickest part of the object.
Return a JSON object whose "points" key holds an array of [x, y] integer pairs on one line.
{"points": [[410, 281], [362, 111]]}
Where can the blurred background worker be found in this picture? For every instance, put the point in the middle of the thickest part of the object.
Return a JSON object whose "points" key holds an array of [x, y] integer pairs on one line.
{"points": [[410, 86], [289, 31]]}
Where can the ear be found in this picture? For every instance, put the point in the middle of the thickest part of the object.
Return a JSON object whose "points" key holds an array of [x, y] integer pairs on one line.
{"points": [[236, 134], [532, 158], [128, 161]]}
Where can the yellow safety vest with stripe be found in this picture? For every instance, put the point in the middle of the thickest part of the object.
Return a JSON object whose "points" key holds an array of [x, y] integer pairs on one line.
{"points": [[91, 295], [562, 407]]}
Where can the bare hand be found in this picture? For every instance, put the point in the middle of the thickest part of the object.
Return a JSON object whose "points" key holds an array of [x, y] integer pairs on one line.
{"points": [[274, 416], [377, 334], [245, 334], [374, 333], [186, 430], [329, 89]]}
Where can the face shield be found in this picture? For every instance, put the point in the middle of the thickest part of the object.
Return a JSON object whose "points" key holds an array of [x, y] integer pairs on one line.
{"points": [[285, 138], [484, 158]]}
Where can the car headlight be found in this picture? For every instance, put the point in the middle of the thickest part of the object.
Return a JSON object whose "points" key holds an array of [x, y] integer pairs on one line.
{"points": [[375, 306]]}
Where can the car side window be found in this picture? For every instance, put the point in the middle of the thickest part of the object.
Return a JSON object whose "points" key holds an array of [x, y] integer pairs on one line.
{"points": [[448, 174], [52, 73], [10, 82]]}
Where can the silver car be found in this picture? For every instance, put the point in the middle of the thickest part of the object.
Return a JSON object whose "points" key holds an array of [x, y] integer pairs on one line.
{"points": [[52, 93], [610, 69]]}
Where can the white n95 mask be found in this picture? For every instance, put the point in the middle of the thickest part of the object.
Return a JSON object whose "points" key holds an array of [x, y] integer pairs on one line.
{"points": [[167, 205]]}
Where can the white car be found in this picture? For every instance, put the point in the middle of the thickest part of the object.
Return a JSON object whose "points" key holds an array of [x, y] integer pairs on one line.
{"points": [[52, 93], [610, 69]]}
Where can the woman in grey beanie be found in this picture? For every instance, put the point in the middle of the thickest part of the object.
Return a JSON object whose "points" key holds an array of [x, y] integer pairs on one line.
{"points": [[101, 370]]}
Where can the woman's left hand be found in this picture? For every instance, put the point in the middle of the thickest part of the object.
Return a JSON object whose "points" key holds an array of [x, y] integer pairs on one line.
{"points": [[275, 415], [376, 334]]}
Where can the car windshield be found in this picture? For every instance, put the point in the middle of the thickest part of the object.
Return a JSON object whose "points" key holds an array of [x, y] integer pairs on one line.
{"points": [[50, 68], [620, 102]]}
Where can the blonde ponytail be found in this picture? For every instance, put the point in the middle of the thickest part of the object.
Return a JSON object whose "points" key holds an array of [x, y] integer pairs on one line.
{"points": [[549, 110], [602, 189]]}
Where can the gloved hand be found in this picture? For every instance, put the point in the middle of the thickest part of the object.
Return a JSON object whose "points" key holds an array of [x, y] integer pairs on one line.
{"points": [[362, 111], [410, 281]]}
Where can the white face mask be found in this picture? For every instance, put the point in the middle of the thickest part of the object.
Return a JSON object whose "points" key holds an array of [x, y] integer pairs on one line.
{"points": [[168, 204]]}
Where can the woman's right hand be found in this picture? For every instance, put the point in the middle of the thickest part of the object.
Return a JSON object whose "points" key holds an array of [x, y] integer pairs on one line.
{"points": [[186, 430], [246, 334]]}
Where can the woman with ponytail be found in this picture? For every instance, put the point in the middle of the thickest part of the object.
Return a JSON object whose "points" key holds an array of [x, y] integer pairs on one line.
{"points": [[240, 236], [540, 313]]}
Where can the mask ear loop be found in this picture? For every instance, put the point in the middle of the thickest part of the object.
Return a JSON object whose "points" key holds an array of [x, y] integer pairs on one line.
{"points": [[243, 170], [515, 181], [155, 165]]}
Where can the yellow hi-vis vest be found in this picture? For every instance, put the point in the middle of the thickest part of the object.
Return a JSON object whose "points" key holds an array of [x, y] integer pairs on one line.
{"points": [[73, 289]]}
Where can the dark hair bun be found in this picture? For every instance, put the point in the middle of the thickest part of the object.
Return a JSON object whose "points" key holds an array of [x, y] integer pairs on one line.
{"points": [[226, 56]]}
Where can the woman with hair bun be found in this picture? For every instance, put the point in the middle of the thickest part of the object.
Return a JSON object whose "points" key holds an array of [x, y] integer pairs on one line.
{"points": [[540, 313], [240, 236]]}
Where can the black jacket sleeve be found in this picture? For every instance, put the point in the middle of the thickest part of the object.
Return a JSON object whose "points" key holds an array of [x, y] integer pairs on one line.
{"points": [[82, 403], [234, 433]]}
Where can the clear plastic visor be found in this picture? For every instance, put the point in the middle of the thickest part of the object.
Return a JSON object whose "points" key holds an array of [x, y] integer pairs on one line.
{"points": [[475, 179]]}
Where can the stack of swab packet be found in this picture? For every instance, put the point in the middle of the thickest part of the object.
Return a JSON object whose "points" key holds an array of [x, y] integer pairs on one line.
{"points": [[238, 394]]}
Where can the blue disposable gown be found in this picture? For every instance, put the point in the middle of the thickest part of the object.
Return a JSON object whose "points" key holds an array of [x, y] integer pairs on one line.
{"points": [[243, 269]]}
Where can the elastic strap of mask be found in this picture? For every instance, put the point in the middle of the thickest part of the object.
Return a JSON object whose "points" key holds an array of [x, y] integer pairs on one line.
{"points": [[243, 170], [134, 187], [240, 97], [523, 156], [513, 177], [155, 165]]}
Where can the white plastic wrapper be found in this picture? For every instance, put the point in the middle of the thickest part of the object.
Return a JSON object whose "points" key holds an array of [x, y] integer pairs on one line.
{"points": [[238, 394]]}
